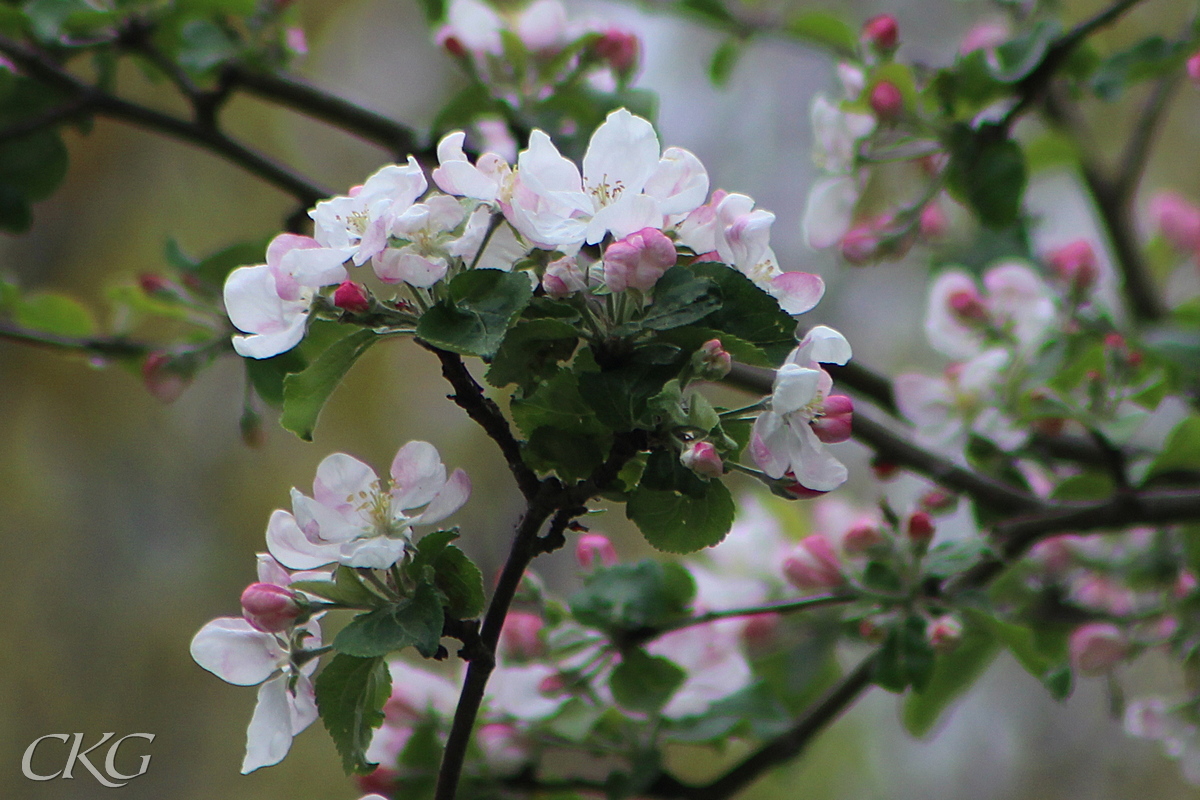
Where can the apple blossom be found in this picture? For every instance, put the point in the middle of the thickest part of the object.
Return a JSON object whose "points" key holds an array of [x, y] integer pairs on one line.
{"points": [[270, 608], [881, 31], [814, 564], [357, 225], [1178, 219], [1075, 264], [1097, 647], [355, 519], [352, 297], [833, 198], [712, 362], [702, 458], [1193, 67], [595, 549], [1016, 307], [886, 101], [563, 278], [234, 651], [521, 636], [714, 661]]}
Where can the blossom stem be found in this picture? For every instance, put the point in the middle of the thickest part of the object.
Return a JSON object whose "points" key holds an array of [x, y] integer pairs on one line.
{"points": [[494, 222]]}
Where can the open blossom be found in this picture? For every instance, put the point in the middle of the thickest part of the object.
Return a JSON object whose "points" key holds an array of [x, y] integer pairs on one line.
{"points": [[945, 409], [231, 649], [1015, 307], [355, 519], [716, 666], [358, 224], [833, 198], [784, 439], [271, 302]]}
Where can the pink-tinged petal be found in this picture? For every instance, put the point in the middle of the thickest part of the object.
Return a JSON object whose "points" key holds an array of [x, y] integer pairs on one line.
{"points": [[715, 664], [542, 25], [924, 400], [815, 467], [343, 482], [1017, 294], [459, 177], [271, 571], [254, 306], [314, 267], [797, 292], [266, 345], [679, 182], [621, 155], [946, 332], [516, 692], [629, 214], [476, 26], [325, 525], [417, 692], [768, 444], [269, 736], [231, 649], [452, 496], [290, 547], [830, 210], [795, 388], [544, 170], [396, 265], [417, 474], [280, 246], [823, 345]]}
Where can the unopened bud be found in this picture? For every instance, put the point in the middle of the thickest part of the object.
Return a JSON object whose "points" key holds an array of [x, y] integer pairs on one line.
{"points": [[884, 470], [638, 260], [563, 278], [967, 306], [1097, 647], [860, 244], [944, 633], [521, 636], [761, 631], [1185, 584], [619, 49], [936, 501], [789, 488], [1178, 220], [933, 222], [1193, 68], [352, 297], [862, 537], [886, 101], [813, 564], [595, 549], [871, 631], [251, 428], [711, 362], [270, 608], [920, 528], [702, 458], [836, 419], [882, 32], [166, 376], [452, 43], [155, 285], [1075, 265]]}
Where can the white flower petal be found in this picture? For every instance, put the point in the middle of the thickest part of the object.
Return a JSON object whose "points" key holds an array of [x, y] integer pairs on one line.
{"points": [[269, 736], [235, 652]]}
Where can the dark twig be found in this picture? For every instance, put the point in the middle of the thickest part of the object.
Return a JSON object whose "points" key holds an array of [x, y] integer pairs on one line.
{"points": [[115, 347]]}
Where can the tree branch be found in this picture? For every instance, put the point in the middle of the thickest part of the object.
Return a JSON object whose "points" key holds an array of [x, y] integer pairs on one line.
{"points": [[116, 347]]}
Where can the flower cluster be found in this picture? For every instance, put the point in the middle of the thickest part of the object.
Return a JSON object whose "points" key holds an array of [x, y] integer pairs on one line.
{"points": [[648, 208]]}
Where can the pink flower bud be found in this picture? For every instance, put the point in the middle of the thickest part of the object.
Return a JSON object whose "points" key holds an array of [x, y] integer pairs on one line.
{"points": [[153, 284], [352, 297], [886, 101], [563, 278], [968, 306], [1056, 554], [702, 458], [761, 631], [619, 49], [1193, 68], [813, 564], [860, 244], [552, 685], [711, 361], [1177, 219], [920, 528], [638, 260], [871, 631], [934, 222], [1100, 593], [984, 36], [595, 549], [521, 636], [1097, 647], [936, 501], [835, 420], [861, 537], [884, 470], [165, 376], [454, 46], [881, 32], [270, 608], [295, 40], [1075, 264], [1185, 584], [944, 633]]}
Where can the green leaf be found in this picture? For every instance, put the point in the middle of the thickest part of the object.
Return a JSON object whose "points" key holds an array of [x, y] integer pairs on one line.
{"points": [[346, 588], [205, 45], [753, 710], [532, 351], [1182, 451], [1152, 57], [630, 597], [710, 10], [50, 19], [266, 375], [906, 658], [682, 523], [1018, 57], [416, 621], [34, 165], [681, 297], [1091, 485], [620, 397], [987, 170], [1030, 651], [950, 558], [483, 304], [824, 29], [724, 59], [642, 682], [55, 314], [457, 577], [215, 268], [748, 312], [953, 674], [350, 696], [305, 393]]}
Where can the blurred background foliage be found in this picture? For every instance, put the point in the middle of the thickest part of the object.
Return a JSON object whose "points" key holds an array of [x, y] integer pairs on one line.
{"points": [[125, 524]]}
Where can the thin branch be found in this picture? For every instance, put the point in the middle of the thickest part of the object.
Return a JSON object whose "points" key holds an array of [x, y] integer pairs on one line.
{"points": [[207, 136], [781, 607], [469, 396], [298, 95], [67, 112], [116, 347], [897, 449]]}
